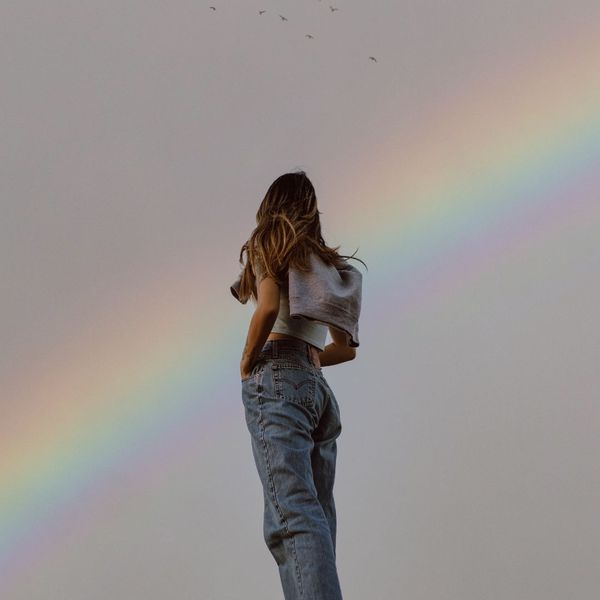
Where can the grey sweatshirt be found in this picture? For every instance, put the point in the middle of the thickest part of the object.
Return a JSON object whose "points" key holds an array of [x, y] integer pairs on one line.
{"points": [[326, 294]]}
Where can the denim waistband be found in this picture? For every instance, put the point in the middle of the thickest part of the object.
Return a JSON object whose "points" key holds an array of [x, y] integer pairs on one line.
{"points": [[287, 348]]}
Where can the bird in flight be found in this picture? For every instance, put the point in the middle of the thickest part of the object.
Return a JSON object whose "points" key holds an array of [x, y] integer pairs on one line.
{"points": [[308, 35]]}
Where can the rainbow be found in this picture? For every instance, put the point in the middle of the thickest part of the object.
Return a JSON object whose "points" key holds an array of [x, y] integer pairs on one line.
{"points": [[494, 167], [509, 159]]}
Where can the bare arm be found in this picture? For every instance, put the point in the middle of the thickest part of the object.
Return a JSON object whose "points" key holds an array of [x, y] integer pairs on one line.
{"points": [[338, 351], [263, 319]]}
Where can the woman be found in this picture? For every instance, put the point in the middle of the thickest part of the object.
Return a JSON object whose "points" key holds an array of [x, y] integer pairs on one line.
{"points": [[292, 415]]}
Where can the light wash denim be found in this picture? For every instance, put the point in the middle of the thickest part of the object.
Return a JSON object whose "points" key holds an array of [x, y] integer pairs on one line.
{"points": [[294, 420]]}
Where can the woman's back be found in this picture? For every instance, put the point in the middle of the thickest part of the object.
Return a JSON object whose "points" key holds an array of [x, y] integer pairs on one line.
{"points": [[309, 330]]}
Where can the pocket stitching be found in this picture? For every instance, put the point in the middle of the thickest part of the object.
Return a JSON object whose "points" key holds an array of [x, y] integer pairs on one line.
{"points": [[297, 386], [307, 400], [254, 373]]}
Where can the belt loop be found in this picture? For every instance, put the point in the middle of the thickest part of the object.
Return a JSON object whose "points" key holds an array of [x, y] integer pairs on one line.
{"points": [[274, 349]]}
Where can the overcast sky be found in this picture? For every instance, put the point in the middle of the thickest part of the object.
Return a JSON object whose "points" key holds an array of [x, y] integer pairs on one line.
{"points": [[138, 139]]}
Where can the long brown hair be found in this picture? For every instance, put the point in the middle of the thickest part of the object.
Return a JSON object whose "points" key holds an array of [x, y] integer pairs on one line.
{"points": [[287, 230]]}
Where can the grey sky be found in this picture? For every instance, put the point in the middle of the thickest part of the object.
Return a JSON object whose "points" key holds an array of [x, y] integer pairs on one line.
{"points": [[137, 136]]}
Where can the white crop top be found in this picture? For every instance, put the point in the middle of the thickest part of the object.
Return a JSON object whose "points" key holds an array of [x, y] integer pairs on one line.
{"points": [[310, 330]]}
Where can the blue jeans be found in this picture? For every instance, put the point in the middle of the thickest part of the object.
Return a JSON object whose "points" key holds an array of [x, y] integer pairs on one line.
{"points": [[294, 421]]}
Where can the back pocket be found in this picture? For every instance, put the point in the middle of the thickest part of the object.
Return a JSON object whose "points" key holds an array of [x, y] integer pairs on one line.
{"points": [[295, 384]]}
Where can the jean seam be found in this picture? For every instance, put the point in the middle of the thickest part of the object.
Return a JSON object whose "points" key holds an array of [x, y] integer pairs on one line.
{"points": [[277, 505]]}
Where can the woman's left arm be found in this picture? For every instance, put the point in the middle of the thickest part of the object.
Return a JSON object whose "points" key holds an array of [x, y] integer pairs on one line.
{"points": [[262, 322], [260, 326]]}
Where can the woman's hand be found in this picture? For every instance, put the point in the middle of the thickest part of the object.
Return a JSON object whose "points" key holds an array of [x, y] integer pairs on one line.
{"points": [[261, 324], [245, 368]]}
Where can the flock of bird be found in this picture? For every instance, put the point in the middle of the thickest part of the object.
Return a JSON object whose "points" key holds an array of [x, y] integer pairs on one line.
{"points": [[308, 35]]}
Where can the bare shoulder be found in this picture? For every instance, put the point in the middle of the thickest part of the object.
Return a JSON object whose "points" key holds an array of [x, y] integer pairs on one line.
{"points": [[268, 294]]}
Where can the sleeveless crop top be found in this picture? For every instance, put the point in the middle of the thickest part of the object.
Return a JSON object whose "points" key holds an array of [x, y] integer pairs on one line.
{"points": [[309, 330]]}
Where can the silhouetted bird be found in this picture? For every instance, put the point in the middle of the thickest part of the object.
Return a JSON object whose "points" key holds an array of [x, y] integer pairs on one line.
{"points": [[308, 35]]}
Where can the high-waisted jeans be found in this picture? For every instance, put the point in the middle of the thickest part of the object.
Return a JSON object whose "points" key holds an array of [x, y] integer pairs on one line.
{"points": [[294, 420]]}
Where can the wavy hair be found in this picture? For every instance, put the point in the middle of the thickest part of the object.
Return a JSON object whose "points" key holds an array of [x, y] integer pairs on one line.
{"points": [[287, 230]]}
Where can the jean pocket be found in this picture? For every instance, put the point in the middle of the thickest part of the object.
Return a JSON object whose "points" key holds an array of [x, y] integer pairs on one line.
{"points": [[257, 369], [295, 384]]}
